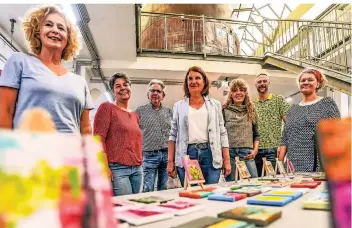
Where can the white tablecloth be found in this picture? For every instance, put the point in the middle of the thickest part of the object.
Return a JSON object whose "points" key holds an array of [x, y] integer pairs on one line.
{"points": [[293, 216]]}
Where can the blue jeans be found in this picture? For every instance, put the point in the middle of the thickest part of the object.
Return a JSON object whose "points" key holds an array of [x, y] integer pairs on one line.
{"points": [[126, 179], [205, 158], [155, 162], [270, 155], [241, 152]]}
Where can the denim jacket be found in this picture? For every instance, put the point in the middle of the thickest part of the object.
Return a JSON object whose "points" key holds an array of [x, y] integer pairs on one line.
{"points": [[216, 130]]}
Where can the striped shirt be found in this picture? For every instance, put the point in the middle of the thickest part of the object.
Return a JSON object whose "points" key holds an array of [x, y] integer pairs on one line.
{"points": [[120, 134], [155, 125]]}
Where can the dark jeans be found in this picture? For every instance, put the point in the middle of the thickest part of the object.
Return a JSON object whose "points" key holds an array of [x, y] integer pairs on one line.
{"points": [[202, 153], [153, 163], [270, 155], [126, 179], [241, 152]]}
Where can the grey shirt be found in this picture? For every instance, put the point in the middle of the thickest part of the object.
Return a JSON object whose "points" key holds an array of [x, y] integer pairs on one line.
{"points": [[155, 125], [216, 130], [64, 97], [241, 132]]}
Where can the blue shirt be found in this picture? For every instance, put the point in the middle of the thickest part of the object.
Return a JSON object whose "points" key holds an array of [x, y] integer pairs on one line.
{"points": [[216, 130], [64, 97]]}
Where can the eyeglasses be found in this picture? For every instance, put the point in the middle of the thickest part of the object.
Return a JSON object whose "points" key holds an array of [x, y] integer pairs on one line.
{"points": [[155, 91]]}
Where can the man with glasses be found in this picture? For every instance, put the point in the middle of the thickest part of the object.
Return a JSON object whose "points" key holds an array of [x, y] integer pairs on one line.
{"points": [[155, 123]]}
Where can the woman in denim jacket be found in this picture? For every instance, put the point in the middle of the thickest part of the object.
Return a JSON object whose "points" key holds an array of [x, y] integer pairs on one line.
{"points": [[241, 125], [197, 130]]}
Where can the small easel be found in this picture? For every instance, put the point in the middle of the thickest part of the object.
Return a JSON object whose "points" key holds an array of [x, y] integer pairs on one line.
{"points": [[187, 184], [239, 173], [289, 168], [279, 165], [265, 168]]}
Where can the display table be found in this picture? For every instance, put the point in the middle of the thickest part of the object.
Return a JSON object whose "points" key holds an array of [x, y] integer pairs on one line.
{"points": [[292, 214]]}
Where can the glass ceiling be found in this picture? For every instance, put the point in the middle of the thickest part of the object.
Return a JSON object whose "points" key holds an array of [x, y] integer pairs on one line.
{"points": [[256, 13]]}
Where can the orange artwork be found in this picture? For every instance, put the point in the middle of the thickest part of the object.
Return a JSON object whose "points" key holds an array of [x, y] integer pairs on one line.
{"points": [[334, 138]]}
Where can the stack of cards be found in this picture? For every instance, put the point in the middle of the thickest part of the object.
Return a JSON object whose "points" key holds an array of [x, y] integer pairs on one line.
{"points": [[143, 215], [213, 222], [258, 216], [269, 200], [318, 201], [229, 197], [182, 207]]}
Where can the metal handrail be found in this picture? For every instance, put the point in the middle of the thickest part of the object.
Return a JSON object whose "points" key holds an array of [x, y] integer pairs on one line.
{"points": [[322, 43]]}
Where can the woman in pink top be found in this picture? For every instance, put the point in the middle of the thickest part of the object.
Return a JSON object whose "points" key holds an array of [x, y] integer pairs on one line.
{"points": [[119, 130]]}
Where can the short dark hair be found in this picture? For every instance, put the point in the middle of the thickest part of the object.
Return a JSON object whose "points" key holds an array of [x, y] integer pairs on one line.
{"points": [[117, 76], [205, 90]]}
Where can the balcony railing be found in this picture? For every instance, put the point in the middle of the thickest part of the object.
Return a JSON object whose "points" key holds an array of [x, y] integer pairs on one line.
{"points": [[322, 43]]}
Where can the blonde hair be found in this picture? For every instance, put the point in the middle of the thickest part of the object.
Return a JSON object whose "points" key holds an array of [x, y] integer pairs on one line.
{"points": [[31, 25], [317, 74], [252, 115]]}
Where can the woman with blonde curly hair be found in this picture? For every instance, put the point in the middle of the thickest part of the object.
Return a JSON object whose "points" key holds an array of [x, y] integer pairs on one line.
{"points": [[241, 125], [40, 80], [299, 135]]}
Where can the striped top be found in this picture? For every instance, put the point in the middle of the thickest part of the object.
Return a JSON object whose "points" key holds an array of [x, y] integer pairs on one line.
{"points": [[120, 134], [155, 125]]}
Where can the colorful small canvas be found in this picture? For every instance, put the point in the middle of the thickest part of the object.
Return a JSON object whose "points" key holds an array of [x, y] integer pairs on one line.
{"points": [[195, 194], [292, 194], [269, 178], [318, 201], [290, 166], [304, 185], [269, 200], [202, 222], [321, 178], [151, 199], [277, 184], [303, 190], [249, 191], [183, 207], [193, 171], [281, 167], [242, 169], [121, 205], [221, 190], [257, 215], [229, 197], [308, 181], [231, 223], [144, 215], [269, 168], [234, 187]]}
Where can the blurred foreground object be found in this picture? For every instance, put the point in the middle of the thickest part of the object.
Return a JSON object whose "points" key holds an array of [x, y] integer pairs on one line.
{"points": [[50, 180], [334, 137], [37, 120]]}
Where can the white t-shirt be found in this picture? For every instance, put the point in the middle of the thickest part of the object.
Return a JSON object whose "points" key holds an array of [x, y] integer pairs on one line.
{"points": [[198, 125]]}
